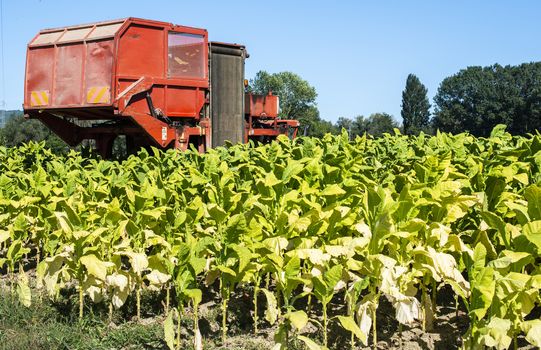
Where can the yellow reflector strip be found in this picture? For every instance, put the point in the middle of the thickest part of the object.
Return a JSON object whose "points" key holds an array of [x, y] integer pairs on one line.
{"points": [[39, 98], [98, 94]]}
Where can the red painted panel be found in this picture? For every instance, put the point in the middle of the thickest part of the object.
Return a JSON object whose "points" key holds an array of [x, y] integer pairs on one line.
{"points": [[99, 65], [182, 101], [141, 52], [158, 97], [85, 72], [137, 102], [261, 105], [39, 71], [68, 77]]}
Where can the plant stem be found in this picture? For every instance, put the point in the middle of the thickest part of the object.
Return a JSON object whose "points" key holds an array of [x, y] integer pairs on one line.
{"points": [[110, 312], [178, 325], [224, 319], [167, 297], [287, 334], [256, 291], [374, 331], [400, 336], [434, 294], [423, 299], [350, 301], [195, 323], [456, 306], [81, 296], [10, 282], [325, 324], [138, 297]]}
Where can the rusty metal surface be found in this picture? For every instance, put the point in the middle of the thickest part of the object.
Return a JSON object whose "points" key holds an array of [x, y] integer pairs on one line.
{"points": [[72, 70], [69, 72], [262, 105], [149, 80]]}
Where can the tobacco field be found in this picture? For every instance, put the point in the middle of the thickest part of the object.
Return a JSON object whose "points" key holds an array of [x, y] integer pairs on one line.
{"points": [[317, 233]]}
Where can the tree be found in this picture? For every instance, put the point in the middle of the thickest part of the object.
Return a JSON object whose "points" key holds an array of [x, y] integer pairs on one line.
{"points": [[376, 125], [17, 130], [379, 123], [415, 106], [296, 94], [297, 100], [347, 124], [478, 98]]}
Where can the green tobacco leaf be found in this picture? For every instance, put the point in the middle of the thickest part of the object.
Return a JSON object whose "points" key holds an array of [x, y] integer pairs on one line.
{"points": [[244, 254], [157, 277], [63, 222], [15, 252], [315, 256], [332, 190], [298, 319], [508, 258], [276, 244], [483, 288], [521, 212], [532, 329], [496, 222], [226, 270], [332, 276], [23, 290], [479, 256], [271, 313], [310, 344], [271, 180], [169, 331], [216, 212], [496, 334], [532, 232], [324, 284], [293, 168], [292, 268], [511, 284], [139, 261], [4, 236], [49, 271], [154, 213], [533, 196], [195, 294], [349, 324], [94, 266], [198, 264]]}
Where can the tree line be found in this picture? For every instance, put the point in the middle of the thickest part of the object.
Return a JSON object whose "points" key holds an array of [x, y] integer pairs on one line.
{"points": [[474, 100]]}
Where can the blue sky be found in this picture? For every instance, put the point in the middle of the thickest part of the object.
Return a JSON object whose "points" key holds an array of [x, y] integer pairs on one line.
{"points": [[357, 54]]}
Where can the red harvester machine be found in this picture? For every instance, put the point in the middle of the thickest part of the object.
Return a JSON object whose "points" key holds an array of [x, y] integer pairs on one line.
{"points": [[158, 84]]}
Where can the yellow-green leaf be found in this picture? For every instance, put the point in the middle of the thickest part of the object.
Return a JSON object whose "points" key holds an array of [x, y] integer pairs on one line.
{"points": [[271, 313], [23, 290], [349, 324], [298, 319], [169, 331], [94, 266], [310, 344]]}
